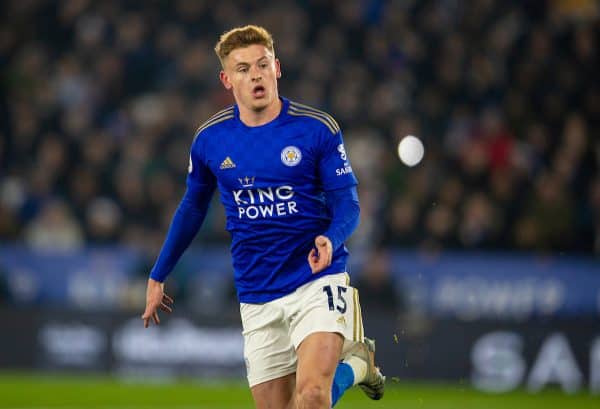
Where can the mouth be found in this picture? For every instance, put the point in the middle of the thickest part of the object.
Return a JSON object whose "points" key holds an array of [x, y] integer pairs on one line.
{"points": [[258, 91]]}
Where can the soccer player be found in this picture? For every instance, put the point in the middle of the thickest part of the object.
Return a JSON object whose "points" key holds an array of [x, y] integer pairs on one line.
{"points": [[290, 198]]}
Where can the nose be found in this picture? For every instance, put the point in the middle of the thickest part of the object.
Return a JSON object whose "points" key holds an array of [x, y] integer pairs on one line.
{"points": [[256, 76]]}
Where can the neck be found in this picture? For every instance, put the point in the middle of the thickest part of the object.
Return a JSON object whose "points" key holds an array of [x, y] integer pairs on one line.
{"points": [[251, 117]]}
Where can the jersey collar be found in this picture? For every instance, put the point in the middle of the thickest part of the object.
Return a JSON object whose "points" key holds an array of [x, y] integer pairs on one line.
{"points": [[285, 103]]}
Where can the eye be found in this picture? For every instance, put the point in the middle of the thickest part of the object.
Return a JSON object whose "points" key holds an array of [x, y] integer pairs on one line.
{"points": [[263, 65], [242, 69]]}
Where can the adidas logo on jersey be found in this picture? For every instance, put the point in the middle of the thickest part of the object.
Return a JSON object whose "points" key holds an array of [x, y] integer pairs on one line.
{"points": [[227, 164]]}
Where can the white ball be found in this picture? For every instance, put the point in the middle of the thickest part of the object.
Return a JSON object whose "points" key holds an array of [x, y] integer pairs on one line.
{"points": [[410, 150]]}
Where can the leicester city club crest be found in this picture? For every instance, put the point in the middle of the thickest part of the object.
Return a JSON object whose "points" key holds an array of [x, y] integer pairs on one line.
{"points": [[291, 156]]}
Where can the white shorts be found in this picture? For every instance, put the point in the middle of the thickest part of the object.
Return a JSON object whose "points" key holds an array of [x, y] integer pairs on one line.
{"points": [[274, 330]]}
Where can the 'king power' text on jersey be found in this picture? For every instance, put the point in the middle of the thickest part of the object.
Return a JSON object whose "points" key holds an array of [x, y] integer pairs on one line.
{"points": [[272, 180]]}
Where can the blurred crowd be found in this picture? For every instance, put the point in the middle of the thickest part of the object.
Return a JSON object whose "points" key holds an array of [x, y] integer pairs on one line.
{"points": [[100, 101]]}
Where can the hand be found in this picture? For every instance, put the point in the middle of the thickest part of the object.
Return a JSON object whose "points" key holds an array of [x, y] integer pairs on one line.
{"points": [[319, 257], [156, 298]]}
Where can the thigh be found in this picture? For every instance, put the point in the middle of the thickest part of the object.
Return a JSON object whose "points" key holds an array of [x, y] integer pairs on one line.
{"points": [[274, 394], [268, 349], [318, 358]]}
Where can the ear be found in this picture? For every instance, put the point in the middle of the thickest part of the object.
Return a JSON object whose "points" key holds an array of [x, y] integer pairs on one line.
{"points": [[277, 68], [225, 80]]}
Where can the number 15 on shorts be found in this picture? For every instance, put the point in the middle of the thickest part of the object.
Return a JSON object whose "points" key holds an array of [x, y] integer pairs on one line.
{"points": [[340, 302]]}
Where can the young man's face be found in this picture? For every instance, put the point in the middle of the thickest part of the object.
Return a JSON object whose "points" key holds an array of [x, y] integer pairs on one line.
{"points": [[252, 74]]}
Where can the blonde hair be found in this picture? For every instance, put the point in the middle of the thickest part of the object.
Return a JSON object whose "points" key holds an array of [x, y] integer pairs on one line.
{"points": [[241, 37]]}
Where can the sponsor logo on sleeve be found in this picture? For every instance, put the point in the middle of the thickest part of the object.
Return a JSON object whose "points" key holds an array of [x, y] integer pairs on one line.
{"points": [[343, 156], [342, 151]]}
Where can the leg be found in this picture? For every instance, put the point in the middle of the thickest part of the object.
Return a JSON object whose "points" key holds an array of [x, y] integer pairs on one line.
{"points": [[269, 354], [304, 334], [361, 357], [275, 394], [318, 358], [325, 309], [368, 376], [342, 380]]}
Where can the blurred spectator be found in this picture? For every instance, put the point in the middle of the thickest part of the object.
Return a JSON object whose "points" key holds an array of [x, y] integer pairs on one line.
{"points": [[403, 223], [547, 219], [594, 211], [479, 225], [4, 290], [54, 228], [103, 220], [375, 284]]}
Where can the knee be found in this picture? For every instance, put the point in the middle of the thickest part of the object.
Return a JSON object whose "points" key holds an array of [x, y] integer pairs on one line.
{"points": [[314, 396]]}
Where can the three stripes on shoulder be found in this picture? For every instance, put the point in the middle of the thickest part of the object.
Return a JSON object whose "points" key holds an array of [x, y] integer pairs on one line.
{"points": [[295, 109], [220, 116]]}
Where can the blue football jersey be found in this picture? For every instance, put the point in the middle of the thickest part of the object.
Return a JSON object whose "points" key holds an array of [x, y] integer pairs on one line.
{"points": [[272, 180]]}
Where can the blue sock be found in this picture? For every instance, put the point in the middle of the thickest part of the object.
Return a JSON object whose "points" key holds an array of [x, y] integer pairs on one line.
{"points": [[343, 379]]}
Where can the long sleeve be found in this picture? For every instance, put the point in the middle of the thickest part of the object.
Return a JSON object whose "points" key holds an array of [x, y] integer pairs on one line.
{"points": [[344, 206], [185, 225]]}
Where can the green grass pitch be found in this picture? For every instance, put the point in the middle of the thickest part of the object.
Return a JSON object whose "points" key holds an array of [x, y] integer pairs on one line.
{"points": [[69, 392]]}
